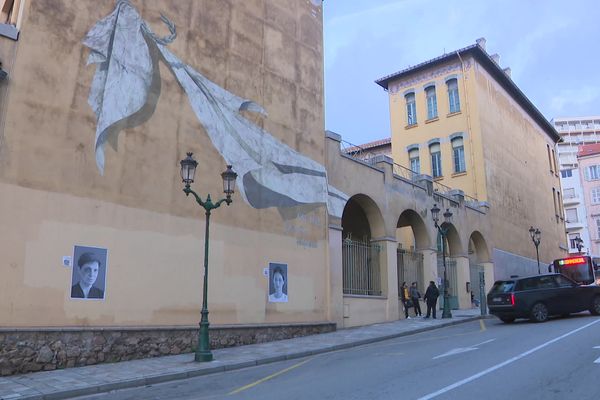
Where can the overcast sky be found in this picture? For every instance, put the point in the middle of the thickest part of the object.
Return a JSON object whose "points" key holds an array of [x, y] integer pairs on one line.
{"points": [[552, 47]]}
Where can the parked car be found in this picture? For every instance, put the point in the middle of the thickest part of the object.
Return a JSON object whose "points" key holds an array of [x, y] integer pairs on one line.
{"points": [[541, 296]]}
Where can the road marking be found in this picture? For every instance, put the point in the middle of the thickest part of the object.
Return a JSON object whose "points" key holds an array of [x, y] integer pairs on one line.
{"points": [[503, 364], [482, 324], [462, 349], [598, 359], [269, 377]]}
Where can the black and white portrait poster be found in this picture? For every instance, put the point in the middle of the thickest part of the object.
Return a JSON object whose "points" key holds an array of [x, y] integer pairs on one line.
{"points": [[278, 285], [88, 279]]}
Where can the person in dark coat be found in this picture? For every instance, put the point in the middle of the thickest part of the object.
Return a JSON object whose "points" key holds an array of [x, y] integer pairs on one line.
{"points": [[88, 264], [415, 296], [431, 296]]}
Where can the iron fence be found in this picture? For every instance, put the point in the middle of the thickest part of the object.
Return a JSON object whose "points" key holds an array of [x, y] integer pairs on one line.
{"points": [[361, 273], [405, 173], [451, 275], [410, 269]]}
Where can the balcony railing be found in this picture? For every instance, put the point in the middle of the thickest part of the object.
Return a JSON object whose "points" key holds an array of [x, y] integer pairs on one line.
{"points": [[360, 268], [365, 155]]}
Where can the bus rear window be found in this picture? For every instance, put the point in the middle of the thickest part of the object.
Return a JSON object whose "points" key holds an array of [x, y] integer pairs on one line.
{"points": [[503, 287]]}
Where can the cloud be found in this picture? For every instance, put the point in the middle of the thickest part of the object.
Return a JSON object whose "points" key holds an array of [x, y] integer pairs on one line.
{"points": [[574, 98]]}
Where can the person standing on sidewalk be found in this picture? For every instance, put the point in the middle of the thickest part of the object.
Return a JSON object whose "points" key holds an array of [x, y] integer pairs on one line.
{"points": [[405, 296], [430, 297], [415, 296]]}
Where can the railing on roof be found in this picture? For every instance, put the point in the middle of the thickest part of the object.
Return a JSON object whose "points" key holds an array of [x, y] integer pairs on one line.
{"points": [[441, 188], [359, 153], [405, 173], [355, 151], [470, 199]]}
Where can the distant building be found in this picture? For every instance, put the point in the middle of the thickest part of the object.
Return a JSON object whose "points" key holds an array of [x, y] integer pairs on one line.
{"points": [[588, 158], [369, 150], [576, 132], [462, 120]]}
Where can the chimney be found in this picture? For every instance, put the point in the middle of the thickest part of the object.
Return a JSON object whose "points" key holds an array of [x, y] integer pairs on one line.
{"points": [[507, 71], [481, 42], [496, 58]]}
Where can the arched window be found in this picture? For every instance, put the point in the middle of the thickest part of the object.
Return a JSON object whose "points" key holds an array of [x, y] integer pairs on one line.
{"points": [[458, 152], [431, 102], [415, 163], [436, 160], [411, 109], [453, 97]]}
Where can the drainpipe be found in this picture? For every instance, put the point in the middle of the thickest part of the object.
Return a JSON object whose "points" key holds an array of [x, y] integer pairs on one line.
{"points": [[469, 130]]}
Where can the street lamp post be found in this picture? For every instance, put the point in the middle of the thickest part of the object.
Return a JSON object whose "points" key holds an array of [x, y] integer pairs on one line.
{"points": [[188, 169], [579, 243], [536, 237], [435, 211]]}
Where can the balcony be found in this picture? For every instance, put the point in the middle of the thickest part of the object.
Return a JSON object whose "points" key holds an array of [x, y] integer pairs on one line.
{"points": [[573, 225], [571, 199]]}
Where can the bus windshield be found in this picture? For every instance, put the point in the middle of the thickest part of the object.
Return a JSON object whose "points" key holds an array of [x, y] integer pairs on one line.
{"points": [[581, 269]]}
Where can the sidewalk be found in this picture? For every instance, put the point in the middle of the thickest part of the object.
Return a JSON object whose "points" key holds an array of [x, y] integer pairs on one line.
{"points": [[71, 382]]}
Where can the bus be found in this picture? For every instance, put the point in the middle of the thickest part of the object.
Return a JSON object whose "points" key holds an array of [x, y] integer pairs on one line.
{"points": [[584, 270]]}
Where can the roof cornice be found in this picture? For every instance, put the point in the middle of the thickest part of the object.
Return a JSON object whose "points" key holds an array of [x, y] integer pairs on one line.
{"points": [[482, 57]]}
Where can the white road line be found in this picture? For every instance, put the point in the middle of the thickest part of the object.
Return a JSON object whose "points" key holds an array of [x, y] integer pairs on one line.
{"points": [[461, 350], [503, 364], [487, 341]]}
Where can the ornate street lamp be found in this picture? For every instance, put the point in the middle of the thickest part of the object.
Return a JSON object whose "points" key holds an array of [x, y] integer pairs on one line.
{"points": [[443, 230], [536, 237], [579, 243], [188, 169]]}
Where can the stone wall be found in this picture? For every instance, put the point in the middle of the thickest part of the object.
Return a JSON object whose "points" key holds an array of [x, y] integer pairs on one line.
{"points": [[30, 350]]}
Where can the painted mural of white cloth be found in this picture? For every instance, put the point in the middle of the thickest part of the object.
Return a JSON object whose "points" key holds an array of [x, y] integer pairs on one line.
{"points": [[271, 174], [123, 75], [125, 89]]}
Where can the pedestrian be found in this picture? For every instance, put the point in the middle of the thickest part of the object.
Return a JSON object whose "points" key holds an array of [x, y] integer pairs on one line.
{"points": [[415, 296], [405, 297], [431, 295]]}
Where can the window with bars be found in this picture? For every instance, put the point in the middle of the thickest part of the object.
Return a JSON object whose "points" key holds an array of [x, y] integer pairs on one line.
{"points": [[458, 151], [566, 173], [453, 98], [573, 240], [592, 173], [436, 160], [432, 111], [415, 163], [411, 109]]}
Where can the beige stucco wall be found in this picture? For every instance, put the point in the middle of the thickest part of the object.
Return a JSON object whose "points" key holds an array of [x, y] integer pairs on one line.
{"points": [[52, 196], [384, 198], [505, 153], [472, 182], [518, 176]]}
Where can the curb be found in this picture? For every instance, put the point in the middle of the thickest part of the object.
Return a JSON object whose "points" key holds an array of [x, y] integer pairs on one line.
{"points": [[175, 376]]}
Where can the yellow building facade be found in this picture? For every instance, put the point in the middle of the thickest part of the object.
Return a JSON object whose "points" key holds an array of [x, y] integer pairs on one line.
{"points": [[462, 120]]}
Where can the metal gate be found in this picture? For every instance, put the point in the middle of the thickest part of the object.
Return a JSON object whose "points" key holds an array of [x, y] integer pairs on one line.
{"points": [[410, 269], [474, 270], [451, 275], [360, 268]]}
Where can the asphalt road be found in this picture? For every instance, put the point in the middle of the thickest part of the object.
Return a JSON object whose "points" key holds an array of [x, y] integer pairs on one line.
{"points": [[487, 359]]}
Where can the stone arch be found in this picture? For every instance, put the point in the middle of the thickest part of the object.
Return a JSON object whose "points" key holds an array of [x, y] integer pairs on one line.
{"points": [[362, 219], [453, 242], [478, 248], [411, 220]]}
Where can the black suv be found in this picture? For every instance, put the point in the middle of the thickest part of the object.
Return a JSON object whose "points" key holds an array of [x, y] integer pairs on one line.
{"points": [[538, 297]]}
